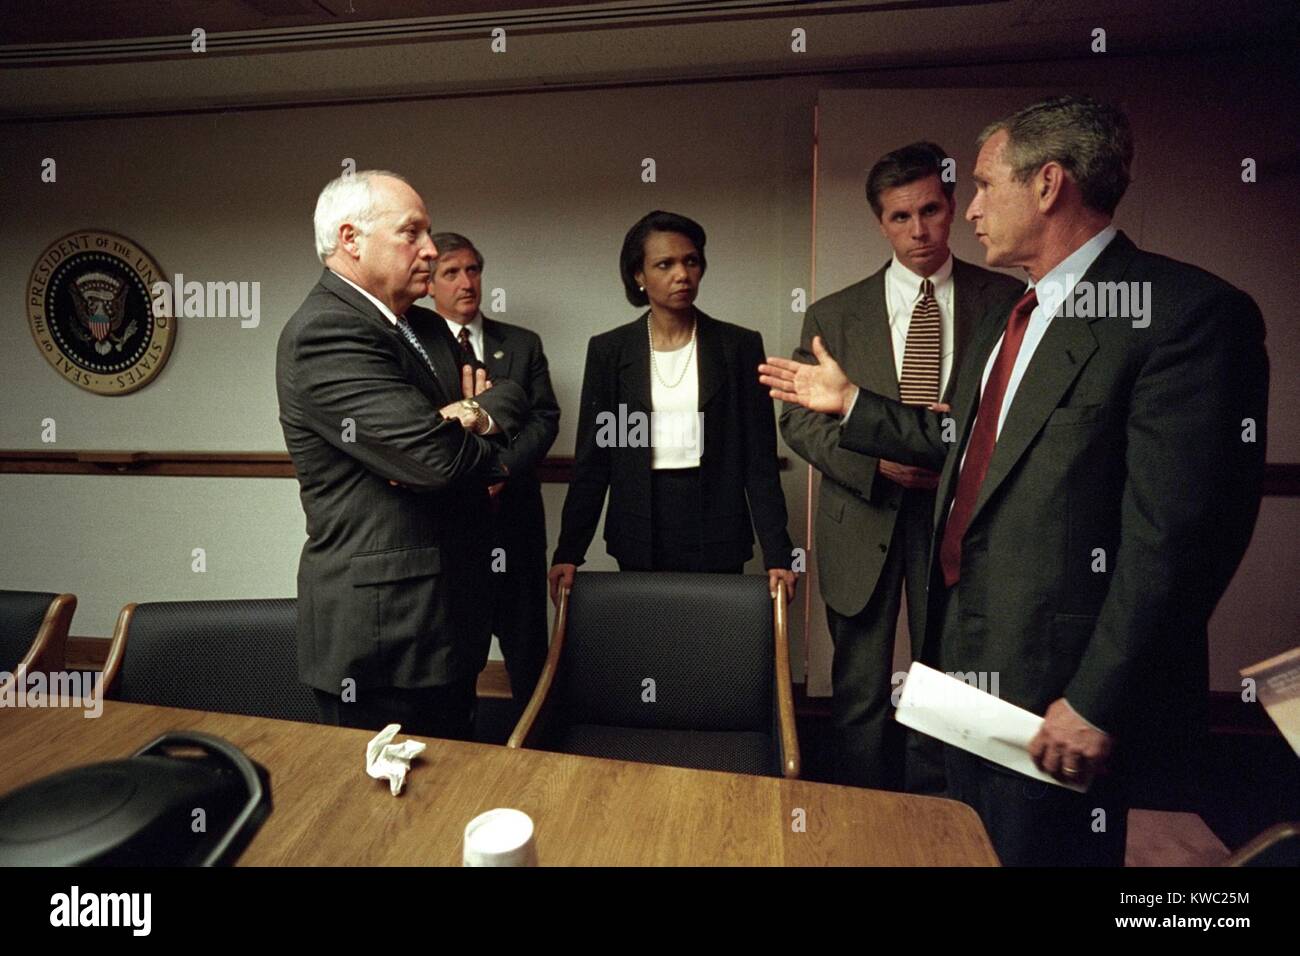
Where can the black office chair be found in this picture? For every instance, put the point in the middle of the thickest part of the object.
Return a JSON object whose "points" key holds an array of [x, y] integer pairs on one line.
{"points": [[34, 630], [234, 657], [687, 670]]}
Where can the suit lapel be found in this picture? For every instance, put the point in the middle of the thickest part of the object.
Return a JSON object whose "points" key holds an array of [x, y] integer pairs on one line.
{"points": [[635, 365], [963, 398], [431, 329], [368, 309], [870, 342], [1057, 362], [446, 353], [496, 357], [968, 302], [708, 353]]}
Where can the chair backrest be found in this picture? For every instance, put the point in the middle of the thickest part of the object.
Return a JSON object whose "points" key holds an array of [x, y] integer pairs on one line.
{"points": [[21, 614], [669, 651], [235, 657]]}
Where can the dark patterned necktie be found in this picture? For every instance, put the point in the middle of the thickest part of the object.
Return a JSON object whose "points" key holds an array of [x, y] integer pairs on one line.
{"points": [[467, 356], [983, 438], [408, 333], [922, 354]]}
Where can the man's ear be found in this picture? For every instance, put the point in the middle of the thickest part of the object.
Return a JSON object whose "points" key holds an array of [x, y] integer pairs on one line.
{"points": [[348, 240], [1049, 185]]}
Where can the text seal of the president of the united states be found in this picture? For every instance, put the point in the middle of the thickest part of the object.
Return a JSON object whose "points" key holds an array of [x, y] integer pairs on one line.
{"points": [[90, 312]]}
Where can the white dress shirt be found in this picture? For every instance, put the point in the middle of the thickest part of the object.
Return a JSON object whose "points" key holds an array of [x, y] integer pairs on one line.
{"points": [[902, 293]]}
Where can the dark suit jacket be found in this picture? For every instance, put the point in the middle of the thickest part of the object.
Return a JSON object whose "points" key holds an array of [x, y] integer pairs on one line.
{"points": [[856, 508], [388, 576], [511, 352], [738, 463], [1122, 444]]}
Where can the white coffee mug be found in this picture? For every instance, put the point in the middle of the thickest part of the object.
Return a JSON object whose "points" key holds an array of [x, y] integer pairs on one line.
{"points": [[500, 837]]}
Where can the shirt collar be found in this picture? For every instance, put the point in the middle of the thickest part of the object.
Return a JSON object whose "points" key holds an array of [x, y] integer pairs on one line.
{"points": [[384, 310], [475, 326], [1055, 287], [908, 283]]}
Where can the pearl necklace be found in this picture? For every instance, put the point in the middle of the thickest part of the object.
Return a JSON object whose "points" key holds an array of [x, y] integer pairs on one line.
{"points": [[650, 330]]}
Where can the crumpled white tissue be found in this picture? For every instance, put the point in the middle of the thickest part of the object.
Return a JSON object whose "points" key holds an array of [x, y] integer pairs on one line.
{"points": [[386, 760]]}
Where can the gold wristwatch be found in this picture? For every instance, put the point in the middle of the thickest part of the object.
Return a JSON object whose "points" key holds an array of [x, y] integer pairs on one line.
{"points": [[480, 425]]}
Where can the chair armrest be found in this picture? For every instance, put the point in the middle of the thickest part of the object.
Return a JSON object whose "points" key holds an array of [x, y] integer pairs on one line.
{"points": [[49, 648], [116, 649], [1260, 845], [789, 735], [533, 720]]}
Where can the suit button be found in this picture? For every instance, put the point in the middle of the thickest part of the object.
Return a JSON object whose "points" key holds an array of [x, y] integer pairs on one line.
{"points": [[884, 548]]}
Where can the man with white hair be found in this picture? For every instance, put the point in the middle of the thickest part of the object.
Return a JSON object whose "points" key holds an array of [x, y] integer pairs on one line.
{"points": [[394, 453]]}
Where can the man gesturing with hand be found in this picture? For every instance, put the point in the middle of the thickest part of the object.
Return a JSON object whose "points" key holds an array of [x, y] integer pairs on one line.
{"points": [[1099, 483]]}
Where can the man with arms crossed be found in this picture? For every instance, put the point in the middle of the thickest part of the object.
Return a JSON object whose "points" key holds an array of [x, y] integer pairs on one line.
{"points": [[1098, 489], [391, 462]]}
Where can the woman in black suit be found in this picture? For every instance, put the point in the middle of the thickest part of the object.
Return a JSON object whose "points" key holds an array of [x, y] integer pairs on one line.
{"points": [[689, 485]]}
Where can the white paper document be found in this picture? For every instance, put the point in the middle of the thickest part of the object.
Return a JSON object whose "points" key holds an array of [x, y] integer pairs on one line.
{"points": [[965, 716]]}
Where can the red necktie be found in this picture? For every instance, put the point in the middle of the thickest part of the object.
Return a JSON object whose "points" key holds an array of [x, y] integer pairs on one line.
{"points": [[984, 435]]}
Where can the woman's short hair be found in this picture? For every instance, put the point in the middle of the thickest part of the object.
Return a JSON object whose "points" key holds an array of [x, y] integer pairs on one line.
{"points": [[631, 259]]}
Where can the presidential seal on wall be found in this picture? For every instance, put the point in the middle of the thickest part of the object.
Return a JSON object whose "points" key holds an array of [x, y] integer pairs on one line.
{"points": [[90, 312]]}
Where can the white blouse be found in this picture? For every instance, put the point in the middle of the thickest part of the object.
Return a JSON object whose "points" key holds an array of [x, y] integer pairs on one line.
{"points": [[676, 434]]}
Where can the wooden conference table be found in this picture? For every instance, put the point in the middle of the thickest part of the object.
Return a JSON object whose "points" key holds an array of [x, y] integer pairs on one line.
{"points": [[328, 812]]}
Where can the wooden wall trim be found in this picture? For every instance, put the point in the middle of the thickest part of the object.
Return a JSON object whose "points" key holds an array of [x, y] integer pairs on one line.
{"points": [[557, 469], [1281, 479]]}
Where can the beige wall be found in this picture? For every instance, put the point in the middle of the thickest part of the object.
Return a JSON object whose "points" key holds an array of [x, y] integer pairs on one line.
{"points": [[546, 183]]}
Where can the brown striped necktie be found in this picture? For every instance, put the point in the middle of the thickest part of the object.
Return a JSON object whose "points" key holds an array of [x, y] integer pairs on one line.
{"points": [[922, 354]]}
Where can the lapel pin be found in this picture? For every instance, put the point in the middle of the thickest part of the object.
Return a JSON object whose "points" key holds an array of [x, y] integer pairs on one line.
{"points": [[498, 354]]}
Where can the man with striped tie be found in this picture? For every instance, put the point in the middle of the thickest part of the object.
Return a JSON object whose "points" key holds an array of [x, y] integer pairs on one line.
{"points": [[900, 332], [1101, 472]]}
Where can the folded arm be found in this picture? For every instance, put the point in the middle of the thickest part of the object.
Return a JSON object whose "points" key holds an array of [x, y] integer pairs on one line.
{"points": [[352, 393]]}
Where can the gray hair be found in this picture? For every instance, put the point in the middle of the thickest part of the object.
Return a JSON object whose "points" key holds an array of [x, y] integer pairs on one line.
{"points": [[350, 198], [1091, 141]]}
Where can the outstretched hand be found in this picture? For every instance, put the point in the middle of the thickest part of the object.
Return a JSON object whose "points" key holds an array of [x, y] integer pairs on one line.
{"points": [[821, 388]]}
